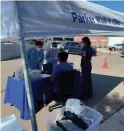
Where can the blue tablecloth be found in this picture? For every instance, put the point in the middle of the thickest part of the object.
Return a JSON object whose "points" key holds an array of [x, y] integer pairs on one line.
{"points": [[16, 94]]}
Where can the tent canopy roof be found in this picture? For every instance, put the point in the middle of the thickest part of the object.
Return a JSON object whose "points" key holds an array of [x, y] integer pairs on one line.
{"points": [[56, 18]]}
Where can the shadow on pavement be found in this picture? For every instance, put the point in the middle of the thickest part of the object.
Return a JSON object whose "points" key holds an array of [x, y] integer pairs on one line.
{"points": [[102, 85], [101, 101], [11, 59], [110, 105], [122, 56]]}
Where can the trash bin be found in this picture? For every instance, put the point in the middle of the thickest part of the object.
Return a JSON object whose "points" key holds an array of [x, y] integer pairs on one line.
{"points": [[96, 116], [87, 114]]}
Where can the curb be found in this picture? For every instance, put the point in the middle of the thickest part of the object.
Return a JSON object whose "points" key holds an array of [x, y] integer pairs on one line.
{"points": [[105, 51]]}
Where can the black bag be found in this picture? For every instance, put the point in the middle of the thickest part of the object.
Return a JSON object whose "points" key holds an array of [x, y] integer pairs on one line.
{"points": [[71, 122]]}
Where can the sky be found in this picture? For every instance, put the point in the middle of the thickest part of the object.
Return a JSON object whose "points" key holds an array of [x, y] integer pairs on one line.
{"points": [[114, 5]]}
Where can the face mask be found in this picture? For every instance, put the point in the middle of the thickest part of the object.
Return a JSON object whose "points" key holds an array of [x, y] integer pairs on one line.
{"points": [[54, 48], [82, 45], [38, 49]]}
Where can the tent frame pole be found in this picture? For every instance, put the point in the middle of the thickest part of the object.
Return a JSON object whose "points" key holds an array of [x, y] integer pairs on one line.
{"points": [[26, 74]]}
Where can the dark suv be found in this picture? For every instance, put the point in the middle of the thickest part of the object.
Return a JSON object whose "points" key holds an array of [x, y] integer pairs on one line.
{"points": [[75, 47]]}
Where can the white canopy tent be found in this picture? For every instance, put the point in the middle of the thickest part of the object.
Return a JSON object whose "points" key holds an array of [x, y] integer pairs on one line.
{"points": [[55, 18], [27, 20]]}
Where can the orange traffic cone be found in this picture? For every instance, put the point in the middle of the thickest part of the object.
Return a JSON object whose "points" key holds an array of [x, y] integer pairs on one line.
{"points": [[105, 65]]}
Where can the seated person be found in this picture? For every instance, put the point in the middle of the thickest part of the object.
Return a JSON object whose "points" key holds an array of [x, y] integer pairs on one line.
{"points": [[63, 66]]}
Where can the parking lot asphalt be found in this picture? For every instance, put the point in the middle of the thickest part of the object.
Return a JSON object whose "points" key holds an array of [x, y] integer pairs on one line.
{"points": [[107, 84]]}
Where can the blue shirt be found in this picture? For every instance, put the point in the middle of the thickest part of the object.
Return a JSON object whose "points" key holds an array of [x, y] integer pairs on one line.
{"points": [[58, 68], [51, 56], [35, 58]]}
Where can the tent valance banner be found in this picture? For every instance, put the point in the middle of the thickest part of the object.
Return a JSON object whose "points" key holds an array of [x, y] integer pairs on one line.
{"points": [[56, 18]]}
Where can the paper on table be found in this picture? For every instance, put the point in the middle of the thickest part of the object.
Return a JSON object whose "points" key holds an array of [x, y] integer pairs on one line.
{"points": [[78, 70], [35, 73], [45, 75]]}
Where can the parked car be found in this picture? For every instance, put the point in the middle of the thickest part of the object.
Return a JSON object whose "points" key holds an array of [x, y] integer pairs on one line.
{"points": [[94, 51], [75, 47], [122, 51], [60, 45], [116, 47]]}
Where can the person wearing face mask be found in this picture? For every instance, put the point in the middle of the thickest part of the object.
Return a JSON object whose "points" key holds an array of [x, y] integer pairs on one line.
{"points": [[82, 46], [52, 53], [36, 56], [86, 68]]}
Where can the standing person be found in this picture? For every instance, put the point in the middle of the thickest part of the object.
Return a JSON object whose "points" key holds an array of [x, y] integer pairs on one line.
{"points": [[86, 68], [52, 53], [36, 56]]}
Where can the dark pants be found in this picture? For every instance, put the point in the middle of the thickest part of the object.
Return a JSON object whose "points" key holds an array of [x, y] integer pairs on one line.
{"points": [[87, 81], [49, 94]]}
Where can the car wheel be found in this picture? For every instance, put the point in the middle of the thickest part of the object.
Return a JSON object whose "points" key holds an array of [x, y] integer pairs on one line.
{"points": [[80, 53], [66, 50], [61, 50], [113, 49]]}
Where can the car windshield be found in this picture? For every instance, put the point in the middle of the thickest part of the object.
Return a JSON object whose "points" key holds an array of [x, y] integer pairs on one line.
{"points": [[67, 43], [57, 43], [94, 49], [75, 44]]}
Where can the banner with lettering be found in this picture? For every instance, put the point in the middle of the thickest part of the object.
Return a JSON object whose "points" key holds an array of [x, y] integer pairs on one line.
{"points": [[55, 18]]}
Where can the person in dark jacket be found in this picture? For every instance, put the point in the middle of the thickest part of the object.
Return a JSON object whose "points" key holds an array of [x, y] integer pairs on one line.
{"points": [[86, 68]]}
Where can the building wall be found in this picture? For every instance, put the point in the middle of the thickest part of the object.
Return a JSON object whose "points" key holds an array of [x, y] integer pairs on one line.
{"points": [[95, 40], [115, 40], [12, 50], [9, 51]]}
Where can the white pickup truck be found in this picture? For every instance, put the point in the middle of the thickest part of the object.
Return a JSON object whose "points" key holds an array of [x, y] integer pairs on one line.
{"points": [[116, 47]]}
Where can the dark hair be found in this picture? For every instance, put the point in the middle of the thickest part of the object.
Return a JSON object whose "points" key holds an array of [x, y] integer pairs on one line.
{"points": [[34, 40], [63, 56], [54, 44], [86, 40], [39, 43]]}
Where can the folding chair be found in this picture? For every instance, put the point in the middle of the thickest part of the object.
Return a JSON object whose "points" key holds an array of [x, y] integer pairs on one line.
{"points": [[47, 68], [65, 84]]}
